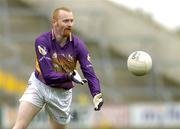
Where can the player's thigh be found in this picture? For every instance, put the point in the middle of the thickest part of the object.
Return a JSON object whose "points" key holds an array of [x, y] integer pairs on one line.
{"points": [[58, 104], [26, 113], [55, 125]]}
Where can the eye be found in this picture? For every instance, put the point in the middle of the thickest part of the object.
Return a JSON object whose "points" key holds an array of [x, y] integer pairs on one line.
{"points": [[71, 20], [67, 20]]}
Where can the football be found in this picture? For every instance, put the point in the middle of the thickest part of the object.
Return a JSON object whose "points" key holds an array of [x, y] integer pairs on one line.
{"points": [[139, 63]]}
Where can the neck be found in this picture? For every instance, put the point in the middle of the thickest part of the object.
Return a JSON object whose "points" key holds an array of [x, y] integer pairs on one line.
{"points": [[60, 39]]}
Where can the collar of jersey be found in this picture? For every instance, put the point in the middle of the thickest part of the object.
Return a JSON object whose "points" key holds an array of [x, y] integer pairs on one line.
{"points": [[53, 36]]}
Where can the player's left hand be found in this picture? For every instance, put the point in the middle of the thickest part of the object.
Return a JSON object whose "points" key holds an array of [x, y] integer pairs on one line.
{"points": [[98, 102]]}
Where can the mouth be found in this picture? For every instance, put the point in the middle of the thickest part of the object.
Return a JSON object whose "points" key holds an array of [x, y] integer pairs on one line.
{"points": [[68, 29]]}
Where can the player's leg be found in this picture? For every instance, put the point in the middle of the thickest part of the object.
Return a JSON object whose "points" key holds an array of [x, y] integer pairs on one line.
{"points": [[25, 114], [55, 125], [30, 104]]}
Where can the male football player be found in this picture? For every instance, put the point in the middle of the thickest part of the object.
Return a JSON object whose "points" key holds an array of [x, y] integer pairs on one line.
{"points": [[50, 85]]}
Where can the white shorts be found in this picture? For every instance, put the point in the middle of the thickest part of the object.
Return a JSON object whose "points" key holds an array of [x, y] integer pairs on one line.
{"points": [[56, 101]]}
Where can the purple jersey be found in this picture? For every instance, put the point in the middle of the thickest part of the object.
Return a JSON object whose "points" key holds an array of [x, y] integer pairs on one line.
{"points": [[53, 62]]}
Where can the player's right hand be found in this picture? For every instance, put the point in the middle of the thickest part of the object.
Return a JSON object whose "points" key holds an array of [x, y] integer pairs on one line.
{"points": [[75, 77]]}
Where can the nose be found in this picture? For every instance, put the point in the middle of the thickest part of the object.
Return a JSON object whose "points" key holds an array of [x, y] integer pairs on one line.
{"points": [[70, 23]]}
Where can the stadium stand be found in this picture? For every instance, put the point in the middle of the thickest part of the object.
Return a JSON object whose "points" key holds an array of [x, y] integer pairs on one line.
{"points": [[117, 32]]}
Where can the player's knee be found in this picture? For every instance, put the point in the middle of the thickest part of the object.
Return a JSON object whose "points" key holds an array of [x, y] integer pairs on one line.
{"points": [[59, 127], [19, 127]]}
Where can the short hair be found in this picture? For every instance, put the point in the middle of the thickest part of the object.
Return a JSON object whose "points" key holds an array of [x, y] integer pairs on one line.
{"points": [[54, 15]]}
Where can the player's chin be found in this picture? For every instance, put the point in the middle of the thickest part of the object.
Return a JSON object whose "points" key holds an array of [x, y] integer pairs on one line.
{"points": [[67, 33]]}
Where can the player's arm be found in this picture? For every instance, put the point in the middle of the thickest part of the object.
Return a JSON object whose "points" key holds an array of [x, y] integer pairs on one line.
{"points": [[89, 74], [45, 64]]}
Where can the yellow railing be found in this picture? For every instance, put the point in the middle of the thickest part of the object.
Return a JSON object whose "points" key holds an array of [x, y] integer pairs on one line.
{"points": [[9, 83]]}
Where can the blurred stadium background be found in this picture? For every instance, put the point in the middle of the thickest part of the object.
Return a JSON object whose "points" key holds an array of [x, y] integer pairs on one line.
{"points": [[111, 33]]}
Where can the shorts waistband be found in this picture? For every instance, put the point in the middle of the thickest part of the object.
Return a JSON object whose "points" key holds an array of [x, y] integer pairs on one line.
{"points": [[33, 76]]}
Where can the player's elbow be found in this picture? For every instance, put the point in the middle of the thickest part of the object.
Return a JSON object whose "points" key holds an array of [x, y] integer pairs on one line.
{"points": [[47, 80], [54, 80]]}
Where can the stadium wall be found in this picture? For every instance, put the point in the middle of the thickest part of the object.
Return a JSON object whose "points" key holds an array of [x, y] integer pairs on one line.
{"points": [[137, 115]]}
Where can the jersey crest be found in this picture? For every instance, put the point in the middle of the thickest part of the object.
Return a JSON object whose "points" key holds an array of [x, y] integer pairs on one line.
{"points": [[42, 50]]}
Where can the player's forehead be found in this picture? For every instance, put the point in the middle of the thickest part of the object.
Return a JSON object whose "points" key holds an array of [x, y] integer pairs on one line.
{"points": [[62, 14]]}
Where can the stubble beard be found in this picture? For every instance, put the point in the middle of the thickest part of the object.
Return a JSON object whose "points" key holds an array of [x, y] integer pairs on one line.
{"points": [[66, 33], [61, 36]]}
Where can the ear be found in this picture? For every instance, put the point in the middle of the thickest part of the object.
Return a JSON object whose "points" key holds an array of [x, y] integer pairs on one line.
{"points": [[54, 22]]}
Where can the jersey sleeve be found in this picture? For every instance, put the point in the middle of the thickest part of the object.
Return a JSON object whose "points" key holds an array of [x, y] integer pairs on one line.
{"points": [[87, 69], [45, 64]]}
